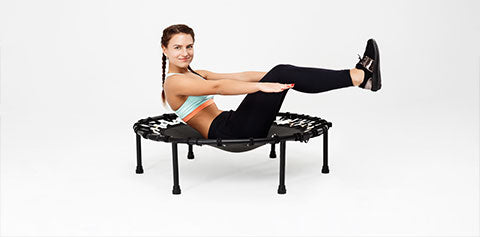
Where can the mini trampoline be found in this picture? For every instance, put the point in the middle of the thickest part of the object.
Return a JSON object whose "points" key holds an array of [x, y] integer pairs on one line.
{"points": [[286, 127]]}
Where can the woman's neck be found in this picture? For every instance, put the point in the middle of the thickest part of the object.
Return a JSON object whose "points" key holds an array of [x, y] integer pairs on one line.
{"points": [[174, 69]]}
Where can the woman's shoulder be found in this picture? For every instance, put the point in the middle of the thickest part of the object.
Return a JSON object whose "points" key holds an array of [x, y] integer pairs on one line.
{"points": [[177, 79], [202, 73]]}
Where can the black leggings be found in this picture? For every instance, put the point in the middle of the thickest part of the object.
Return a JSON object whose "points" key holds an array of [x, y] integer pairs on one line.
{"points": [[255, 115]]}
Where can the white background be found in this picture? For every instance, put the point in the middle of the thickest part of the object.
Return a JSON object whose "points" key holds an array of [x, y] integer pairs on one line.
{"points": [[76, 75]]}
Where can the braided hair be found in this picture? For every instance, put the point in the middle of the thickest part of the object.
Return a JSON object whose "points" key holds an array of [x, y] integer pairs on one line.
{"points": [[168, 33]]}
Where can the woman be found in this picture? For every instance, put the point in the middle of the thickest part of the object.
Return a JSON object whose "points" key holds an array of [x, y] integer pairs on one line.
{"points": [[190, 93]]}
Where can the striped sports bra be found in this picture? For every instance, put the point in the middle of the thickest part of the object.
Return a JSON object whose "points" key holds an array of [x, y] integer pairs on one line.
{"points": [[193, 104]]}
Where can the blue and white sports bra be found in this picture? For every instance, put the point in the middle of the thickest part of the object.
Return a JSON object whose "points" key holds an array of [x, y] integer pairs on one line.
{"points": [[193, 104]]}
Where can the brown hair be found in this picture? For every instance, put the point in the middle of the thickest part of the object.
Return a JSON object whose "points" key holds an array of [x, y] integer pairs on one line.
{"points": [[168, 33]]}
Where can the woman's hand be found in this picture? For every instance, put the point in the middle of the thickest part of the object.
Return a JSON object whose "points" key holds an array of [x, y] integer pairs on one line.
{"points": [[270, 87]]}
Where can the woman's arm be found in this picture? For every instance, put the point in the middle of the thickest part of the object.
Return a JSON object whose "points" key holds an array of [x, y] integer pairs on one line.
{"points": [[236, 87], [249, 76], [183, 85]]}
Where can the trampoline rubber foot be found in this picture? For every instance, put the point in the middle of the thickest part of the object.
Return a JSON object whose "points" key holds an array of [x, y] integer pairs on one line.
{"points": [[325, 170], [272, 151], [176, 190], [190, 152], [281, 189], [139, 170]]}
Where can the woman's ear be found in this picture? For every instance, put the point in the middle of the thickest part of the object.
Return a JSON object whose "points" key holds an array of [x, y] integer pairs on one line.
{"points": [[163, 51]]}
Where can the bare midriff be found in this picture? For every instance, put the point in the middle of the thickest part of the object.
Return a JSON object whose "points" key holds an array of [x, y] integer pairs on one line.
{"points": [[198, 109], [200, 119]]}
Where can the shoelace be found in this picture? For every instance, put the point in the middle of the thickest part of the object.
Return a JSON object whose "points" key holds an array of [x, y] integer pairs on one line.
{"points": [[360, 58]]}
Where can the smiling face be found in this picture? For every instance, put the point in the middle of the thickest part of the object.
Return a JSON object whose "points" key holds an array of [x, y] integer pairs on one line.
{"points": [[179, 52]]}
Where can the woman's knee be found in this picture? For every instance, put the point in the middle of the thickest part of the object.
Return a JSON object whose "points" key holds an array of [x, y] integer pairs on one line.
{"points": [[279, 71], [281, 67]]}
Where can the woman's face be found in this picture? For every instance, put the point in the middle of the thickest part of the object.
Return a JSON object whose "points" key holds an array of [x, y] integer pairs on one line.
{"points": [[180, 50]]}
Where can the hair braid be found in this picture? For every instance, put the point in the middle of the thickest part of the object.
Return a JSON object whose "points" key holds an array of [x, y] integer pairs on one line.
{"points": [[164, 59]]}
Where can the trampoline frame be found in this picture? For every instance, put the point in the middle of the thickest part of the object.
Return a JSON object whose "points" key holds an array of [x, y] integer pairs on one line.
{"points": [[318, 127]]}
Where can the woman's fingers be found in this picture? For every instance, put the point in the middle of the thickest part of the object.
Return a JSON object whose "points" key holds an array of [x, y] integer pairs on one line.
{"points": [[288, 86], [272, 87]]}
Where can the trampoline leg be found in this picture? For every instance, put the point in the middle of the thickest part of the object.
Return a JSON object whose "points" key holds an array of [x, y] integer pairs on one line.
{"points": [[325, 169], [272, 151], [139, 156], [176, 186], [190, 152], [281, 187]]}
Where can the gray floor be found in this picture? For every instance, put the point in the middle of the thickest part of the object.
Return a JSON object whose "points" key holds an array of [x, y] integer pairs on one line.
{"points": [[404, 161]]}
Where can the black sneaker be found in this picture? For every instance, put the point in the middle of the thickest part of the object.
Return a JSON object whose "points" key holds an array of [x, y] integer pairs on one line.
{"points": [[370, 64]]}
